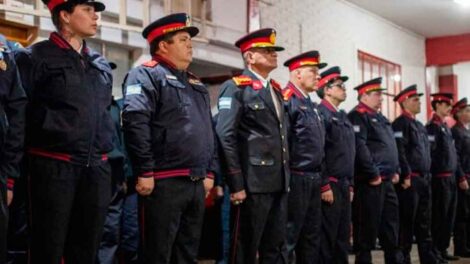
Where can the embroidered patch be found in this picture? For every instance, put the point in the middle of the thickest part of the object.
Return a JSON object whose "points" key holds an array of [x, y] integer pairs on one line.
{"points": [[357, 129], [431, 138], [398, 134], [225, 103], [134, 89]]}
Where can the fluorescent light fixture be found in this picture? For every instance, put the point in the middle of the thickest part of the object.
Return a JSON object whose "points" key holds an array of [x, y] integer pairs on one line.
{"points": [[463, 2]]}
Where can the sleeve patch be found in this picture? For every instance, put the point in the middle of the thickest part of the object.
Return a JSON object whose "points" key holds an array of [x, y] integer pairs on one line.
{"points": [[398, 134], [134, 89], [225, 103], [357, 129]]}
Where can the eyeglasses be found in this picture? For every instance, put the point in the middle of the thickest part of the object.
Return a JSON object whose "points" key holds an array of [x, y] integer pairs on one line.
{"points": [[342, 85]]}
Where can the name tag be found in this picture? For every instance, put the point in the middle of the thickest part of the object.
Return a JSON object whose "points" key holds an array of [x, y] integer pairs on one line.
{"points": [[170, 77], [398, 134]]}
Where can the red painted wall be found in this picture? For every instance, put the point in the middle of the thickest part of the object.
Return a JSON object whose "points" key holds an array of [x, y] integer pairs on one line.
{"points": [[448, 50]]}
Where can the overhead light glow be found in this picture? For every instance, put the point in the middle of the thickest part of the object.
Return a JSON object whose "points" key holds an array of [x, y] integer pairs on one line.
{"points": [[463, 2], [397, 78]]}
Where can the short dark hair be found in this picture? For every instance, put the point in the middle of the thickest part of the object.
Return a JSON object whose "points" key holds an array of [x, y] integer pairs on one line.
{"points": [[168, 38], [434, 104], [55, 15]]}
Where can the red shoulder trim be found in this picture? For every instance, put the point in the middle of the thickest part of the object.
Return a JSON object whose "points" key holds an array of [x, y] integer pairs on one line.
{"points": [[150, 64], [242, 80]]}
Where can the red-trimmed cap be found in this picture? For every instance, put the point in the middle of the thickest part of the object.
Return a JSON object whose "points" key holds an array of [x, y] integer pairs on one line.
{"points": [[370, 86], [263, 38], [309, 58], [51, 4], [167, 24], [461, 104], [442, 97], [331, 75], [406, 93]]}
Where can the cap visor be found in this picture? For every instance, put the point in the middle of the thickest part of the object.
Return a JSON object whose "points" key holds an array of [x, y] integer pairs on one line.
{"points": [[99, 7], [322, 65], [344, 78], [193, 31]]}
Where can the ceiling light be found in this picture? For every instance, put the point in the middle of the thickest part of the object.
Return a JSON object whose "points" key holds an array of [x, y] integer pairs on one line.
{"points": [[463, 2]]}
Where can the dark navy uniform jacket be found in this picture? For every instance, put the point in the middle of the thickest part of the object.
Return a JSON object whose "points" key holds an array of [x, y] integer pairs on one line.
{"points": [[68, 115], [376, 150], [413, 146], [306, 135], [443, 152], [252, 136], [340, 144], [167, 122], [12, 117], [462, 144]]}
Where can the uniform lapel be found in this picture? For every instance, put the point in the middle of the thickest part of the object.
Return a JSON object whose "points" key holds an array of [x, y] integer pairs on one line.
{"points": [[263, 93]]}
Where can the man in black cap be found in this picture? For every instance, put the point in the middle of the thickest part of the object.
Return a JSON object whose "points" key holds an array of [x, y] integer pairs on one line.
{"points": [[171, 143], [414, 192], [68, 133], [252, 130], [375, 204], [461, 135], [12, 118], [306, 151], [340, 152], [443, 168]]}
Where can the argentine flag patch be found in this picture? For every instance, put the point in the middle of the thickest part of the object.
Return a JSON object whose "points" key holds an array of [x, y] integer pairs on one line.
{"points": [[134, 89], [225, 103]]}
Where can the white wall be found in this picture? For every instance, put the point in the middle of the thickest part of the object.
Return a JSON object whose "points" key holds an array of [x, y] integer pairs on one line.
{"points": [[338, 30], [462, 70]]}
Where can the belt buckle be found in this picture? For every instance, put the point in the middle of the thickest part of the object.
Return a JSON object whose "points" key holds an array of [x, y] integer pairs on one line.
{"points": [[194, 179]]}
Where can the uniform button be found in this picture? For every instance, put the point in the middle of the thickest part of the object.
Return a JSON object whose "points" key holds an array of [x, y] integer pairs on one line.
{"points": [[282, 137], [280, 125], [284, 161], [284, 149], [256, 106], [263, 162], [288, 189]]}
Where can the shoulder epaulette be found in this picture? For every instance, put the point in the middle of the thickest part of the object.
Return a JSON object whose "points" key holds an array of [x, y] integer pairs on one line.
{"points": [[287, 94], [242, 80], [150, 64], [193, 79], [276, 85]]}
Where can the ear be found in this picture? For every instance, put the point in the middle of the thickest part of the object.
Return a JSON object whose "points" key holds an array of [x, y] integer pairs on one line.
{"points": [[64, 17], [163, 46]]}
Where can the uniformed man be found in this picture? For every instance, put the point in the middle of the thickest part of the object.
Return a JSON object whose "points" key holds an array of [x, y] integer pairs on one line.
{"points": [[12, 119], [340, 152], [68, 133], [414, 192], [461, 135], [252, 129], [306, 150], [376, 204], [443, 168], [169, 137]]}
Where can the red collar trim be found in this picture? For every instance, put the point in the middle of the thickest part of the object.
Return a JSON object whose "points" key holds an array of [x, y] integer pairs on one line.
{"points": [[364, 108], [57, 39], [167, 62], [328, 105], [437, 119], [296, 91], [408, 114]]}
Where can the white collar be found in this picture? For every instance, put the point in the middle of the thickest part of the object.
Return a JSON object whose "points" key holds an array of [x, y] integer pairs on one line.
{"points": [[263, 80]]}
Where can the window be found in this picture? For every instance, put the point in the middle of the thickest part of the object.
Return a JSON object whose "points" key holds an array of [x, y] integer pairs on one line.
{"points": [[371, 67], [200, 9]]}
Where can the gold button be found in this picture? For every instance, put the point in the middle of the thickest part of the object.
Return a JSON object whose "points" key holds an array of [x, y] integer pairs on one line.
{"points": [[263, 162], [256, 106]]}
